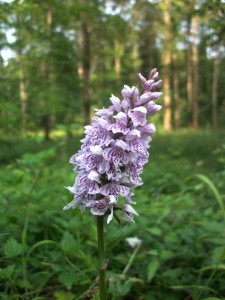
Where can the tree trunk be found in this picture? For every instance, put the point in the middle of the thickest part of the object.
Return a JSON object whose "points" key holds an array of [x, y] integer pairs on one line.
{"points": [[46, 119], [117, 60], [84, 68], [166, 68], [22, 92], [189, 71], [135, 56], [215, 88], [176, 92], [86, 72], [22, 85], [195, 58]]}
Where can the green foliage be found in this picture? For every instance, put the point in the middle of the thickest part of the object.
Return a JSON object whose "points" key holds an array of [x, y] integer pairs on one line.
{"points": [[152, 269], [47, 253], [12, 248]]}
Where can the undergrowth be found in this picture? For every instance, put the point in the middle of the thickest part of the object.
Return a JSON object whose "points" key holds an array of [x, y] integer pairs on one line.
{"points": [[46, 253]]}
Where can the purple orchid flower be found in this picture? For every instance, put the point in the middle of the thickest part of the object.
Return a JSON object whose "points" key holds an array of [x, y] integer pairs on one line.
{"points": [[114, 151]]}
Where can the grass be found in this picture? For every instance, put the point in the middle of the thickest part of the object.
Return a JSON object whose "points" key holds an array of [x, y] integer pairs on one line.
{"points": [[50, 254]]}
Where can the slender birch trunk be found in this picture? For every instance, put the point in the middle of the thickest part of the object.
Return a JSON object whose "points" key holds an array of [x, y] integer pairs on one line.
{"points": [[22, 85], [176, 92], [189, 85], [117, 59], [22, 92], [166, 68]]}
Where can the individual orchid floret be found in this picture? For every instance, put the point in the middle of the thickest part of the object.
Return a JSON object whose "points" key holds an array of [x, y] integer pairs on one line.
{"points": [[153, 108], [156, 85], [145, 98], [114, 152], [116, 102], [128, 92], [120, 126], [142, 79], [138, 115], [153, 72]]}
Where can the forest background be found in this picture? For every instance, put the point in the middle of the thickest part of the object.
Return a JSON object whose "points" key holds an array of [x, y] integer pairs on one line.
{"points": [[61, 59]]}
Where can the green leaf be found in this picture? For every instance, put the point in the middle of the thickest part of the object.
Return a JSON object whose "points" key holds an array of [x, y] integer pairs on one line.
{"points": [[212, 298], [166, 254], [7, 272], [12, 248], [24, 283], [152, 269], [155, 231], [68, 243], [153, 252], [173, 273], [63, 295], [218, 253], [214, 190], [118, 286], [66, 278]]}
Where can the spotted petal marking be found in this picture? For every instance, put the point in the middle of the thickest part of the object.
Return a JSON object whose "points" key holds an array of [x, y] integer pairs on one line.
{"points": [[136, 179], [116, 155], [115, 189], [93, 161], [99, 207], [118, 128], [137, 146], [113, 174], [86, 184], [100, 136]]}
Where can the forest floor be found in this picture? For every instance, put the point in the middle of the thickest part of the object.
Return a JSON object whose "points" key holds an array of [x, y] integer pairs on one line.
{"points": [[47, 253]]}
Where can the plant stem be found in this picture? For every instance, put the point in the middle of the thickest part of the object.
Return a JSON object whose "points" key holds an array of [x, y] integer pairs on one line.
{"points": [[102, 286], [131, 260]]}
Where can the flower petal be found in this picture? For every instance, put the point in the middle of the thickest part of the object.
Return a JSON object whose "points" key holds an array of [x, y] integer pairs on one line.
{"points": [[138, 115], [128, 208], [110, 217], [96, 149], [115, 102], [114, 189]]}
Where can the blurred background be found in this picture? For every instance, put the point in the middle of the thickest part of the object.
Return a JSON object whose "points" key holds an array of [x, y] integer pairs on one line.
{"points": [[61, 59]]}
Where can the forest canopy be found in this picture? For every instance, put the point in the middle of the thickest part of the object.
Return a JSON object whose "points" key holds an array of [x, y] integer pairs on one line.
{"points": [[61, 59]]}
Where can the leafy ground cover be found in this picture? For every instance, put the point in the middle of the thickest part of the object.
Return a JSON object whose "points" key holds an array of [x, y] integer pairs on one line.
{"points": [[46, 253]]}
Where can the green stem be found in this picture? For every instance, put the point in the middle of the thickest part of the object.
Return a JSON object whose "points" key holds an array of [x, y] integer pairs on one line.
{"points": [[102, 285], [131, 260]]}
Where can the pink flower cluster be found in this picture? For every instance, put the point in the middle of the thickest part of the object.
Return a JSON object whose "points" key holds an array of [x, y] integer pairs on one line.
{"points": [[114, 151]]}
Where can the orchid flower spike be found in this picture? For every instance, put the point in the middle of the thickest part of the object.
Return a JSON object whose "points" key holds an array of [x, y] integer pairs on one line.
{"points": [[114, 151]]}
